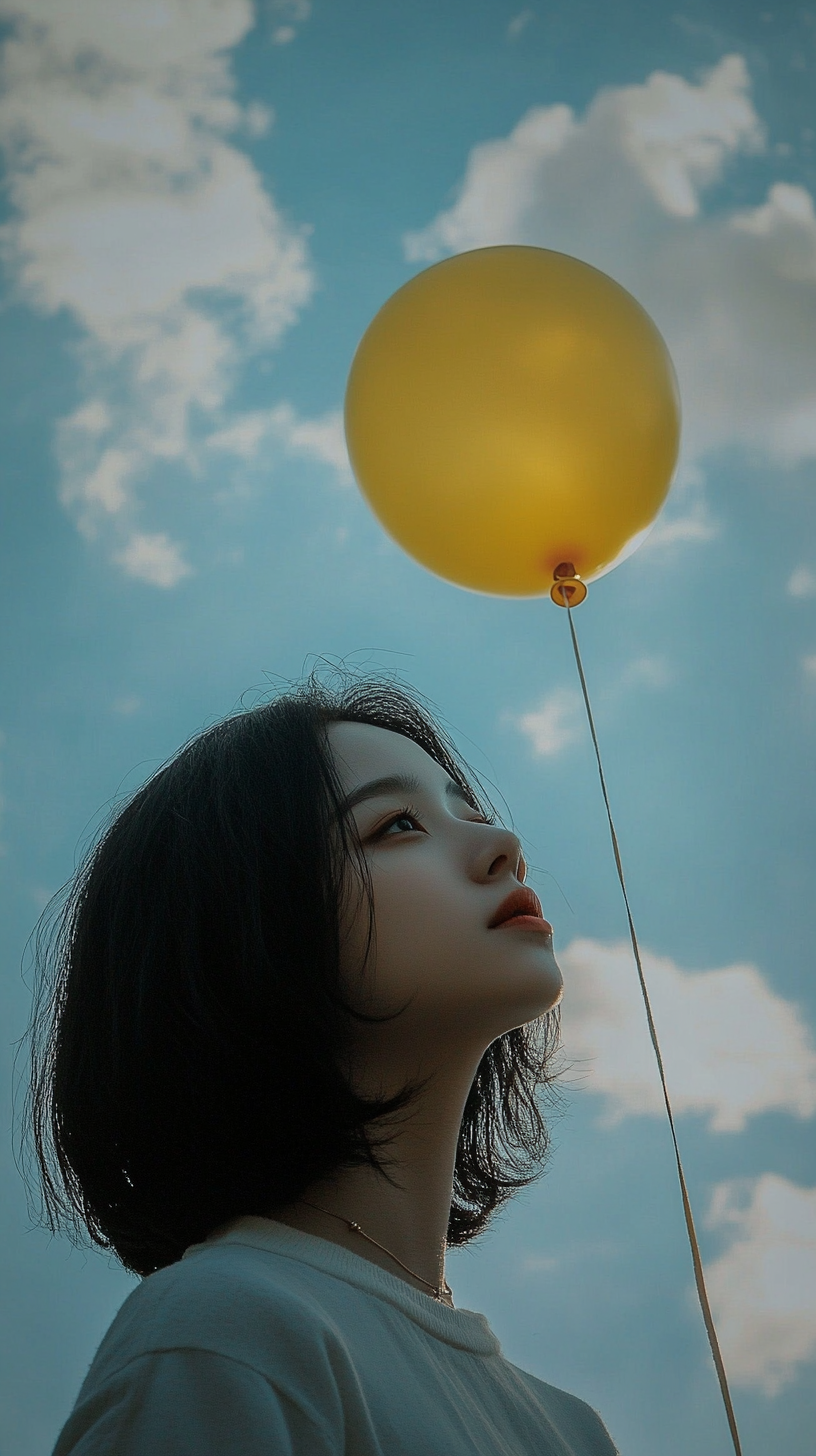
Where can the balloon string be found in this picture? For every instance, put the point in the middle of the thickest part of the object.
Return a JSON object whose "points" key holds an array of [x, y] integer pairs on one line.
{"points": [[696, 1260]]}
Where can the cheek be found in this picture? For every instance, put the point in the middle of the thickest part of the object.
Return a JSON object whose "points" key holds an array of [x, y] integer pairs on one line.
{"points": [[355, 926], [411, 893], [421, 921], [432, 945], [422, 933]]}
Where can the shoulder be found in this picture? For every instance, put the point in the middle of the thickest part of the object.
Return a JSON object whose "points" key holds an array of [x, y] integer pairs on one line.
{"points": [[249, 1305], [194, 1403], [577, 1421], [229, 1349]]}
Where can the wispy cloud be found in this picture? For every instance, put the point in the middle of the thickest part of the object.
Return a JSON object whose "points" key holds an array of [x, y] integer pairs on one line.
{"points": [[553, 725], [558, 720], [624, 187], [675, 530], [686, 516], [763, 1288], [154, 559], [126, 706], [650, 671], [802, 582], [679, 527], [287, 16], [540, 1264], [135, 212], [321, 438], [809, 665], [733, 1048], [519, 24]]}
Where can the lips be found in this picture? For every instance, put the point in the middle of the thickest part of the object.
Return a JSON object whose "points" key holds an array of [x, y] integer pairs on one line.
{"points": [[520, 904]]}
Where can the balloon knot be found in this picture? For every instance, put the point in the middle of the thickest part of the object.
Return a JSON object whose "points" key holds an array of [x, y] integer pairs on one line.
{"points": [[567, 590]]}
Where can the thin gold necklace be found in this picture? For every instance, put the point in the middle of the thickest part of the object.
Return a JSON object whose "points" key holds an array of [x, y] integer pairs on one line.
{"points": [[437, 1290]]}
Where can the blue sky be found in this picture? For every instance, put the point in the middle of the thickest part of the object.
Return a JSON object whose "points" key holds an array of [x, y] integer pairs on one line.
{"points": [[204, 206]]}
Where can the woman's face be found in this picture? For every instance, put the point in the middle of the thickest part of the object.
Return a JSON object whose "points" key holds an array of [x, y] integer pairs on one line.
{"points": [[440, 877]]}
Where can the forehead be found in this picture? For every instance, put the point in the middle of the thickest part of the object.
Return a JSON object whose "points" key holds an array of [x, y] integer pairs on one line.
{"points": [[362, 752]]}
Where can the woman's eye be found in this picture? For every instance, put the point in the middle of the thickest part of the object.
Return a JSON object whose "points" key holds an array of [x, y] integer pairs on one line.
{"points": [[401, 823]]}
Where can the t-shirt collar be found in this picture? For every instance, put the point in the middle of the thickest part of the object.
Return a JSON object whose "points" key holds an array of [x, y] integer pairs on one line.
{"points": [[460, 1327]]}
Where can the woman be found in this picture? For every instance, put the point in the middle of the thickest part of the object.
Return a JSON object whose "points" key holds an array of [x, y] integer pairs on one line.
{"points": [[287, 1051]]}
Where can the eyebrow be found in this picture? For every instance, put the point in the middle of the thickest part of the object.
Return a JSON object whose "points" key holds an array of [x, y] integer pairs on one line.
{"points": [[397, 784]]}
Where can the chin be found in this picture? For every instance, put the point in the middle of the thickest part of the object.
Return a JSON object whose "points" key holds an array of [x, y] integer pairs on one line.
{"points": [[540, 994]]}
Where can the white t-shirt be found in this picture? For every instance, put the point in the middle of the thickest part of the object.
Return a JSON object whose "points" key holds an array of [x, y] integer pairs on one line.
{"points": [[265, 1341]]}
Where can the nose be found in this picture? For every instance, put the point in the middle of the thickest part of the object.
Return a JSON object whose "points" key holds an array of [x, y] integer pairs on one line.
{"points": [[499, 855]]}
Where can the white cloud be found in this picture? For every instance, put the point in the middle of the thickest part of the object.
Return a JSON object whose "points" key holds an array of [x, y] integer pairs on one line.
{"points": [[258, 119], [153, 559], [672, 136], [809, 665], [553, 725], [558, 720], [732, 1047], [672, 530], [243, 436], [649, 671], [498, 187], [623, 187], [678, 136], [763, 1288], [290, 13], [802, 582], [686, 515], [321, 438], [127, 706], [540, 1264], [41, 896], [788, 218], [794, 433], [519, 23], [134, 213]]}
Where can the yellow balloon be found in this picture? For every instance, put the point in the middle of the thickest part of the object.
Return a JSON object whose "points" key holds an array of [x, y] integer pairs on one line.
{"points": [[511, 409]]}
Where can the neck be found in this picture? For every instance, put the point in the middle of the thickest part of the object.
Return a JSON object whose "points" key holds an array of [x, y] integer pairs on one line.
{"points": [[408, 1210]]}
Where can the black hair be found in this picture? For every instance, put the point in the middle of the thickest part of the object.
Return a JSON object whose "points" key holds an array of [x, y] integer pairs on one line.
{"points": [[189, 1019]]}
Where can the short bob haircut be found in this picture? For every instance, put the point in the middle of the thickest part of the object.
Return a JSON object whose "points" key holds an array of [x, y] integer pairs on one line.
{"points": [[189, 1019]]}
